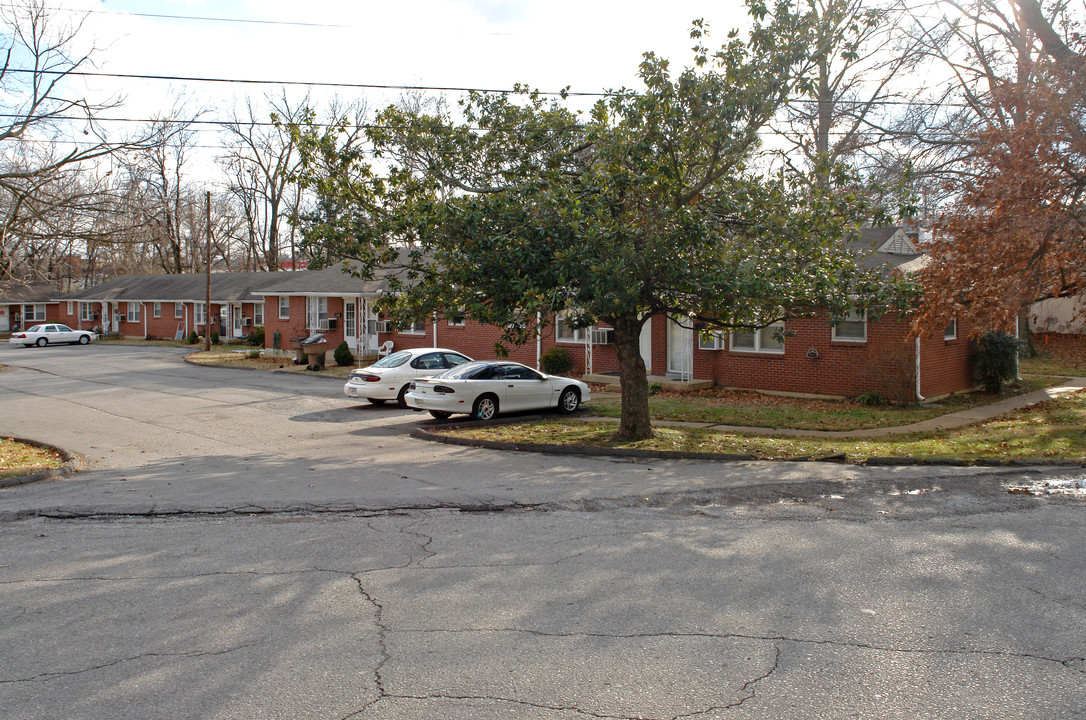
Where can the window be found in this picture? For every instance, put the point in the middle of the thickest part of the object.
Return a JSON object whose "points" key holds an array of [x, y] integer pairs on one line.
{"points": [[316, 312], [950, 332], [199, 312], [418, 327], [456, 323], [565, 332], [258, 313], [284, 307], [157, 309], [711, 340], [71, 308], [86, 311], [178, 310], [764, 340], [133, 312], [33, 313], [851, 328]]}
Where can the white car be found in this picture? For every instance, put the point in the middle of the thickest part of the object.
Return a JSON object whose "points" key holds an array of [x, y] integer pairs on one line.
{"points": [[42, 335], [483, 389], [388, 378]]}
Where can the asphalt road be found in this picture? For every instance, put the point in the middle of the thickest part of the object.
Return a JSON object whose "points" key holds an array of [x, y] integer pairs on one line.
{"points": [[250, 545]]}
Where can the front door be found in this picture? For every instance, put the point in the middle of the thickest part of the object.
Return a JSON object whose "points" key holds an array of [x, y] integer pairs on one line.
{"points": [[646, 345], [235, 310], [350, 323], [5, 319], [680, 350]]}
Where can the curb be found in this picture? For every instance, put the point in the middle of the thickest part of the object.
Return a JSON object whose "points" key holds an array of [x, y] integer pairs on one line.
{"points": [[433, 434], [272, 370], [72, 464]]}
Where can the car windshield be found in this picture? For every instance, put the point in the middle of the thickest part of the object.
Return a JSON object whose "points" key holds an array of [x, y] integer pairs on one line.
{"points": [[393, 360], [469, 371]]}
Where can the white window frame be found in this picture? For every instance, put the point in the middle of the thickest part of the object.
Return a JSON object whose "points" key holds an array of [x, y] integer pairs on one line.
{"points": [[457, 323], [132, 312], [759, 341], [417, 327], [853, 316], [71, 308], [156, 309], [579, 334], [258, 313], [178, 311], [284, 308], [199, 313], [950, 332], [316, 311], [86, 311], [36, 314], [711, 340]]}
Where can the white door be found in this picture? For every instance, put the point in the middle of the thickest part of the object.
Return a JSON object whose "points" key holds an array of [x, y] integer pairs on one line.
{"points": [[646, 345], [680, 350], [369, 343], [5, 319], [235, 310], [350, 323]]}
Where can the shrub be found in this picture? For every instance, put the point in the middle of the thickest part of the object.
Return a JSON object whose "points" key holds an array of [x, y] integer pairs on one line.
{"points": [[214, 337], [343, 355], [995, 359], [655, 388], [256, 336], [556, 361], [193, 338], [871, 398]]}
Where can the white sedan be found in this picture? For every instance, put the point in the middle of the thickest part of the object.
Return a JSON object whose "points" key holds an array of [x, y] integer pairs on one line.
{"points": [[388, 378], [42, 335], [483, 389]]}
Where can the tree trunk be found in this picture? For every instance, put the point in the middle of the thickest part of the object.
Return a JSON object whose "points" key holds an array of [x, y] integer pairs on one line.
{"points": [[635, 423]]}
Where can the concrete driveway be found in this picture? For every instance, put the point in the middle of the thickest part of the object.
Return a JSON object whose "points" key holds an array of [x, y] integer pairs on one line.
{"points": [[247, 545]]}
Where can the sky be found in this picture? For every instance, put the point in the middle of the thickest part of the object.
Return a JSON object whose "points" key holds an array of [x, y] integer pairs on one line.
{"points": [[590, 46]]}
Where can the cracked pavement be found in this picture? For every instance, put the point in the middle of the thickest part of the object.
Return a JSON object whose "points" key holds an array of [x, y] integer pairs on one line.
{"points": [[240, 550]]}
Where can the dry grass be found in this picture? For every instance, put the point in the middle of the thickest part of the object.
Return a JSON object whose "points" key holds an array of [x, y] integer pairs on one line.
{"points": [[1053, 430], [18, 458], [227, 357], [1057, 355]]}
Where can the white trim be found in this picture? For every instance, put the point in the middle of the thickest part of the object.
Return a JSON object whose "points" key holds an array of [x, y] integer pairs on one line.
{"points": [[853, 316], [758, 341], [919, 397], [950, 332], [281, 315]]}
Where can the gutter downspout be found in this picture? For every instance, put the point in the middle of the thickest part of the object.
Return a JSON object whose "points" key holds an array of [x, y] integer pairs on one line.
{"points": [[919, 397], [538, 339], [143, 311], [435, 331], [1018, 337]]}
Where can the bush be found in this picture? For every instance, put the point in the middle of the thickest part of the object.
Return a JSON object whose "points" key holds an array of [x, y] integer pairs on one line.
{"points": [[995, 359], [342, 354], [655, 388], [254, 354], [871, 398], [193, 338], [214, 337], [556, 361], [256, 336]]}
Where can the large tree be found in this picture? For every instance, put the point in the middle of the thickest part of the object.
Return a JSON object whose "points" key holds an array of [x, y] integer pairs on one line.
{"points": [[520, 208]]}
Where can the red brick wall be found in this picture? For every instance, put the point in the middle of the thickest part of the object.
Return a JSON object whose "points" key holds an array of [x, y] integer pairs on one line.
{"points": [[946, 365], [885, 363]]}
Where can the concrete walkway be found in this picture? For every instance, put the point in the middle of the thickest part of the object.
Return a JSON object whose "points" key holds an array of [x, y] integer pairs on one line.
{"points": [[962, 418]]}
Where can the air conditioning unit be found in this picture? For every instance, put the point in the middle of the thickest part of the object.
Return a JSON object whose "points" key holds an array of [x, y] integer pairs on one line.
{"points": [[380, 326], [327, 324], [603, 336], [247, 322]]}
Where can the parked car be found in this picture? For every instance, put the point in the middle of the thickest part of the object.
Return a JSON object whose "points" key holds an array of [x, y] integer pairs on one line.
{"points": [[482, 389], [388, 378], [42, 335]]}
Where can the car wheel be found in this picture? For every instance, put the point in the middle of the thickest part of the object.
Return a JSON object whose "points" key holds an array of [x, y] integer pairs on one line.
{"points": [[401, 398], [376, 401], [569, 400], [441, 414], [485, 408], [42, 342], [83, 339]]}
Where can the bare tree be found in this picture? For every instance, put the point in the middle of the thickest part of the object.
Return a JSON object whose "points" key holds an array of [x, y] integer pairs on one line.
{"points": [[50, 144]]}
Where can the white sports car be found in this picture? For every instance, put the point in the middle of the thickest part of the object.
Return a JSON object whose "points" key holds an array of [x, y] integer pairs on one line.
{"points": [[388, 378], [42, 335], [482, 389]]}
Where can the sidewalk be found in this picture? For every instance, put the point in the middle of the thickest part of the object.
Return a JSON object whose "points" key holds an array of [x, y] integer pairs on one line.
{"points": [[949, 421]]}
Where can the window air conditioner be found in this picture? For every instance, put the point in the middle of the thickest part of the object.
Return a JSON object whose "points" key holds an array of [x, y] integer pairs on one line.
{"points": [[247, 321]]}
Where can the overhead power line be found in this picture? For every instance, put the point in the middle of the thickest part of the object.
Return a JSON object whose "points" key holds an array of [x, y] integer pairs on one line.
{"points": [[198, 18]]}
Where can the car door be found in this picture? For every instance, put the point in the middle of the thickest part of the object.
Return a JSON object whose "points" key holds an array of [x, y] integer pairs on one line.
{"points": [[522, 388], [428, 364], [65, 334]]}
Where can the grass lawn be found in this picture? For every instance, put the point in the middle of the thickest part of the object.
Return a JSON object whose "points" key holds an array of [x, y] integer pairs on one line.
{"points": [[1054, 430], [1056, 355], [751, 409], [225, 356], [17, 458]]}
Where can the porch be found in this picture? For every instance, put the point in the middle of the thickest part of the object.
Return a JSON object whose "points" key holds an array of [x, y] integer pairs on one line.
{"points": [[611, 383]]}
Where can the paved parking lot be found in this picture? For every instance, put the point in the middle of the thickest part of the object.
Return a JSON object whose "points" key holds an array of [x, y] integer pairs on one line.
{"points": [[250, 545]]}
